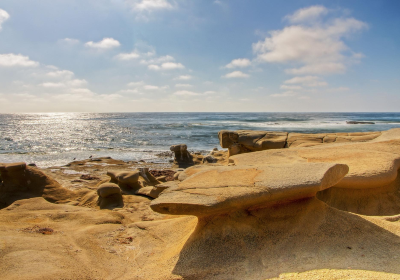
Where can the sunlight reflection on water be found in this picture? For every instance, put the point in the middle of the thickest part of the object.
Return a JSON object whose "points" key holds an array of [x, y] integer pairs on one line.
{"points": [[57, 138]]}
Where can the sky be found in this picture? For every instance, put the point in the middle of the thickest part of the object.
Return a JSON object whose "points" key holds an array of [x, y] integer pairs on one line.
{"points": [[199, 56]]}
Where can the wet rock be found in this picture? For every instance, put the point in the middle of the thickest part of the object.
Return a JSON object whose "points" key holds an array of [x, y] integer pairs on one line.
{"points": [[358, 122]]}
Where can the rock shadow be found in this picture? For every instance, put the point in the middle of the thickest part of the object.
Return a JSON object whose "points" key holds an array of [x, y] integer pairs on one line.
{"points": [[294, 237], [383, 201]]}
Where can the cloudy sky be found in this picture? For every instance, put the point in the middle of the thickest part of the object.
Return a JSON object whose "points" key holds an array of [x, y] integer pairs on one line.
{"points": [[209, 55]]}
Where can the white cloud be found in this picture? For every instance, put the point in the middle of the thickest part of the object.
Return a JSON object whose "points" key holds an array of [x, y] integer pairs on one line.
{"points": [[158, 60], [130, 91], [184, 77], [106, 43], [166, 66], [236, 74], [171, 66], [150, 87], [135, 84], [127, 56], [240, 62], [11, 60], [154, 67], [317, 68], [284, 94], [3, 17], [209, 92], [186, 93], [69, 41], [183, 85], [286, 87], [52, 85], [307, 14], [150, 5], [318, 47], [76, 83], [308, 81], [61, 74]]}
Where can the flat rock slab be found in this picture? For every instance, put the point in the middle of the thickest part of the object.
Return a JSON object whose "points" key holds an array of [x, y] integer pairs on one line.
{"points": [[222, 189], [371, 164], [243, 141]]}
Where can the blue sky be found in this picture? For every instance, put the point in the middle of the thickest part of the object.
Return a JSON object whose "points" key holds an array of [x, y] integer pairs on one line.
{"points": [[217, 55]]}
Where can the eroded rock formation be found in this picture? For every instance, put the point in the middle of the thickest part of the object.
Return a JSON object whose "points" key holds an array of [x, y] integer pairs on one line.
{"points": [[244, 141], [370, 187], [19, 181]]}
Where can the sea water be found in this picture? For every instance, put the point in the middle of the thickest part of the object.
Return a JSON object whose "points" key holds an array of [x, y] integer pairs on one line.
{"points": [[50, 139]]}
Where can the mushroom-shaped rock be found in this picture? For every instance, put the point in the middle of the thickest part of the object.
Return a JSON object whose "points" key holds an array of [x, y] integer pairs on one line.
{"points": [[223, 189], [109, 196], [107, 189]]}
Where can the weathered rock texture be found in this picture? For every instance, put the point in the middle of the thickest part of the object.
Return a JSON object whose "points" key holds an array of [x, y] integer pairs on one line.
{"points": [[184, 159], [244, 141], [109, 196], [19, 181], [222, 189], [260, 217], [370, 187]]}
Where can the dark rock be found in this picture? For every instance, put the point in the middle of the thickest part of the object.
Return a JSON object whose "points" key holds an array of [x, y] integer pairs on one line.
{"points": [[357, 122]]}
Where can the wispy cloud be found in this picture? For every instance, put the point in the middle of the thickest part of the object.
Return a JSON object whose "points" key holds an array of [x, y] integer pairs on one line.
{"points": [[166, 66], [69, 41], [105, 44], [4, 16], [236, 74], [284, 94], [307, 14], [183, 85], [16, 60], [318, 47], [184, 77], [308, 81], [238, 63], [128, 56], [150, 5]]}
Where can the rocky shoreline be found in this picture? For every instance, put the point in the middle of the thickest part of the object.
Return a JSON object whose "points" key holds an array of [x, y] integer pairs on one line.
{"points": [[274, 204]]}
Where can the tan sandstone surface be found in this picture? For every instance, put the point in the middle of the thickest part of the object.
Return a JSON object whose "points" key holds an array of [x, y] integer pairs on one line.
{"points": [[329, 211]]}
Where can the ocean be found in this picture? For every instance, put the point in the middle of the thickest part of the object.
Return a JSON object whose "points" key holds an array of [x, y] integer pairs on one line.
{"points": [[54, 139]]}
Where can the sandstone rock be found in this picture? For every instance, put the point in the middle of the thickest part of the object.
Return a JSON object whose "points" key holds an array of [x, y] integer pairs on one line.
{"points": [[19, 181], [369, 188], [227, 138], [110, 196], [244, 141], [221, 189], [155, 191], [162, 178], [107, 189], [125, 178], [182, 157]]}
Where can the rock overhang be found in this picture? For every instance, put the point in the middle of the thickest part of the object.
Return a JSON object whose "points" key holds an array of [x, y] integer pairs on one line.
{"points": [[228, 188]]}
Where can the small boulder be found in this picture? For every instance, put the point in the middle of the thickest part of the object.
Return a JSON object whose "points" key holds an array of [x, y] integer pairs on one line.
{"points": [[182, 157], [209, 159], [108, 189]]}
